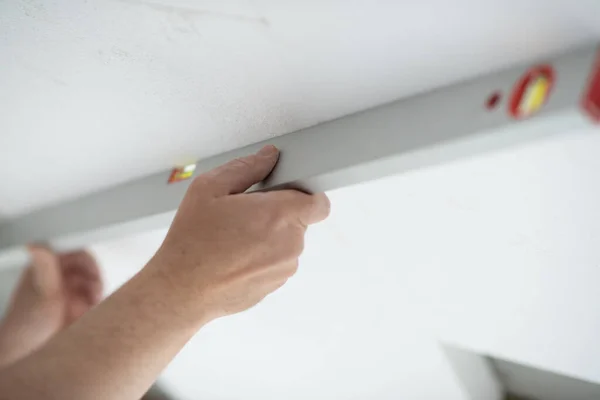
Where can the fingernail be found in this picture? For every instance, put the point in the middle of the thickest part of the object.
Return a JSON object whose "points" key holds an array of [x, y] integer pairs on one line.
{"points": [[268, 150]]}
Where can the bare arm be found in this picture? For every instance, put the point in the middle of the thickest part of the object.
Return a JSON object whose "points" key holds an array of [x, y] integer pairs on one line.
{"points": [[224, 253], [114, 352]]}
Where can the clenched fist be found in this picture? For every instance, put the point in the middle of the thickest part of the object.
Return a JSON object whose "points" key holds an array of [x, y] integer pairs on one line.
{"points": [[230, 249]]}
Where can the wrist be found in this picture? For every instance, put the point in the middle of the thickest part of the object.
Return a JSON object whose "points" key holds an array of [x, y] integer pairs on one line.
{"points": [[179, 292]]}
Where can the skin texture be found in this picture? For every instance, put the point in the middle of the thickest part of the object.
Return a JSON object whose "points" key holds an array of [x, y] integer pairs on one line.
{"points": [[52, 293], [224, 252]]}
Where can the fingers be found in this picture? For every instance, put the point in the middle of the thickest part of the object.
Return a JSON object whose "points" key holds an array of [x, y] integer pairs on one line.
{"points": [[81, 293], [82, 276], [307, 208], [76, 307], [83, 287], [317, 209], [45, 269], [80, 262], [239, 175]]}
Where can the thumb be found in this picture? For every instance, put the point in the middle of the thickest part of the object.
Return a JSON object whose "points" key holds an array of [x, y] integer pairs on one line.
{"points": [[239, 175], [46, 273]]}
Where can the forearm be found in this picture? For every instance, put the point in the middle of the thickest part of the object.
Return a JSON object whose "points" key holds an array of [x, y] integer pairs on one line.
{"points": [[115, 351], [9, 352]]}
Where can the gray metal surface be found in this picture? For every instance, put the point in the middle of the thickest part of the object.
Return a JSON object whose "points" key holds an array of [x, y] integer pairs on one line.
{"points": [[475, 373], [428, 129], [533, 383]]}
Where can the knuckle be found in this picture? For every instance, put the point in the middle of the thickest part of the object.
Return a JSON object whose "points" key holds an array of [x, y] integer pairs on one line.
{"points": [[279, 217], [287, 197], [199, 183], [289, 207]]}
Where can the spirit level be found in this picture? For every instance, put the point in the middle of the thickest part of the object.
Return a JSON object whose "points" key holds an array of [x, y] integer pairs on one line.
{"points": [[556, 95]]}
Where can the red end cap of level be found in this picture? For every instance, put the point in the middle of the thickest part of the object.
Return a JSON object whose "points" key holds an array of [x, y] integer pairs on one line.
{"points": [[591, 101]]}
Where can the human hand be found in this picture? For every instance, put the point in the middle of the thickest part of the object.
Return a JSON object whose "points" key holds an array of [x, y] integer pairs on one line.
{"points": [[52, 292], [230, 249], [82, 284]]}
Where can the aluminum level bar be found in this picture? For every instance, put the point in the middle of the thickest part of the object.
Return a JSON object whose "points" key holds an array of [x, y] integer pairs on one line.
{"points": [[556, 95]]}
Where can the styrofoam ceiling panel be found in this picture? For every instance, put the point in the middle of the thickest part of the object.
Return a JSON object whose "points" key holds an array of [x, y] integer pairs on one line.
{"points": [[95, 93]]}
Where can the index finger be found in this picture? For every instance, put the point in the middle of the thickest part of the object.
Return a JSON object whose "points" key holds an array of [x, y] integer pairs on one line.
{"points": [[308, 208]]}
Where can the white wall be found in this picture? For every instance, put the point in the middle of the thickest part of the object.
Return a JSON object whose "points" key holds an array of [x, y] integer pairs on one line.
{"points": [[504, 251]]}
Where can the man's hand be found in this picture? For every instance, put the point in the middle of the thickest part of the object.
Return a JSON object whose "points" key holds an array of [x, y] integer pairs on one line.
{"points": [[232, 249], [225, 251], [52, 293]]}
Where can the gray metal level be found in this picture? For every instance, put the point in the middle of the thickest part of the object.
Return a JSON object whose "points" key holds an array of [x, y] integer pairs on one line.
{"points": [[431, 128]]}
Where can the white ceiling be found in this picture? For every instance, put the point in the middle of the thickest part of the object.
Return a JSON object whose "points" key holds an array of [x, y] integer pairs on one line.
{"points": [[94, 93], [98, 92]]}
